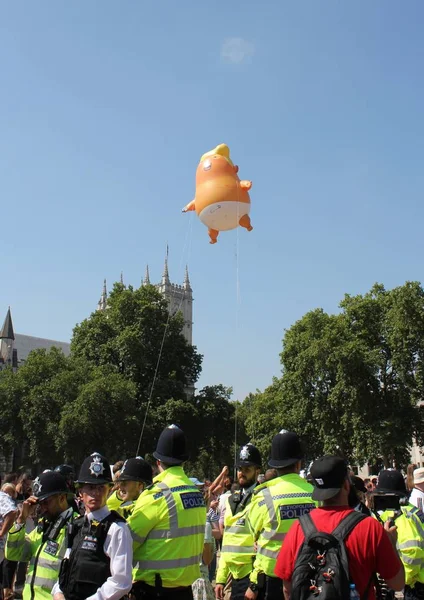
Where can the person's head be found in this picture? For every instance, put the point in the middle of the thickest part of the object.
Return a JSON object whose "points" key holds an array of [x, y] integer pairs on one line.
{"points": [[171, 449], [357, 490], [270, 474], [391, 481], [286, 453], [9, 489], [68, 473], [134, 476], [228, 482], [410, 477], [391, 492], [116, 469], [330, 478], [24, 485], [419, 479], [11, 478], [248, 465], [51, 491], [94, 481]]}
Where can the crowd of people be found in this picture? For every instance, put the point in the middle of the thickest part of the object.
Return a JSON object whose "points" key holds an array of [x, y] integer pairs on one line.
{"points": [[141, 531]]}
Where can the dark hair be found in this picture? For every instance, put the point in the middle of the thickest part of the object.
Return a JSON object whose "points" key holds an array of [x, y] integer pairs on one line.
{"points": [[10, 478]]}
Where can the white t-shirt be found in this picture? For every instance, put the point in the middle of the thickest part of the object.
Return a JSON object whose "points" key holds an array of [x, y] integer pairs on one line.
{"points": [[7, 505]]}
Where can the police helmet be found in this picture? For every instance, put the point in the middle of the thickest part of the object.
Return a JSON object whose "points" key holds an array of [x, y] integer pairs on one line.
{"points": [[67, 471], [286, 450], [95, 470], [172, 446], [391, 481], [49, 484], [136, 469], [249, 456]]}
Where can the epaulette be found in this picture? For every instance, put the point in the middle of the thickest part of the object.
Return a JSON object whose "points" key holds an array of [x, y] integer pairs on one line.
{"points": [[260, 487]]}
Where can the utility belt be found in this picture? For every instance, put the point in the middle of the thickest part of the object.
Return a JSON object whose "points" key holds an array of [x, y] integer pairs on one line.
{"points": [[141, 590]]}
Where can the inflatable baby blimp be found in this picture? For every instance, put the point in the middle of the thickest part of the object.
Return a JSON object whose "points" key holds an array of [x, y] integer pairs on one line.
{"points": [[222, 201]]}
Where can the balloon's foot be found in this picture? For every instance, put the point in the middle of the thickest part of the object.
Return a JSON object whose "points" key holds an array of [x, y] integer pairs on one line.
{"points": [[213, 241], [249, 228]]}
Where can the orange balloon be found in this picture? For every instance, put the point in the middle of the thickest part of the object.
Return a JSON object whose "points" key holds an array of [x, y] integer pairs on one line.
{"points": [[222, 201]]}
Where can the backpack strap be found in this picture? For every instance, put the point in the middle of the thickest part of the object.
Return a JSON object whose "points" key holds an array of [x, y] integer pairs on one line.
{"points": [[347, 524], [307, 526], [342, 531]]}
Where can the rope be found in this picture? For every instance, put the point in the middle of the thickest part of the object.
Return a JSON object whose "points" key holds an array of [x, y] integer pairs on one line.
{"points": [[152, 387]]}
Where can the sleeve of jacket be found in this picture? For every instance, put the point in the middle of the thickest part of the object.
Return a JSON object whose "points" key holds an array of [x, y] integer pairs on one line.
{"points": [[411, 550], [223, 567], [19, 544], [255, 521], [143, 519]]}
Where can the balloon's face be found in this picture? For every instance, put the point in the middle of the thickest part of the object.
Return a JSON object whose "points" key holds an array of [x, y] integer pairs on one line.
{"points": [[215, 166]]}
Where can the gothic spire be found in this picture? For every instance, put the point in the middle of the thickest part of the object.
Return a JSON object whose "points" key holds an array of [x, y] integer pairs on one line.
{"points": [[147, 276], [6, 332], [103, 298], [165, 276], [187, 285], [122, 277]]}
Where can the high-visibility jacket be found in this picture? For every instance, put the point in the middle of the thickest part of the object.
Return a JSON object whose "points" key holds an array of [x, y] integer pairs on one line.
{"points": [[410, 543], [114, 501], [275, 505], [44, 548], [168, 528], [237, 552]]}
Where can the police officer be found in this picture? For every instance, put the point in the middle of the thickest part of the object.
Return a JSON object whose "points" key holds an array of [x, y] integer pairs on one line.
{"points": [[168, 526], [45, 545], [237, 552], [98, 560], [275, 506], [410, 540], [68, 473], [135, 475]]}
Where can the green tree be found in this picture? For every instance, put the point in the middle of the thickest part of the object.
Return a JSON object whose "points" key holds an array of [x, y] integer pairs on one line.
{"points": [[102, 417], [130, 337], [351, 382], [212, 439], [11, 431]]}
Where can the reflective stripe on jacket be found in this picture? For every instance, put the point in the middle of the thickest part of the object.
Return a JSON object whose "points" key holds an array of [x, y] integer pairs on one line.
{"points": [[275, 506], [44, 558], [410, 543], [237, 552], [168, 529]]}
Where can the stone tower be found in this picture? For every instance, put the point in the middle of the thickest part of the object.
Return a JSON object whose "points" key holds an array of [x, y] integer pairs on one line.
{"points": [[179, 297]]}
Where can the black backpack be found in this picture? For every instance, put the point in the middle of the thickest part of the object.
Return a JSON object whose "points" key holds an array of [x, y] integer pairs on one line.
{"points": [[321, 570]]}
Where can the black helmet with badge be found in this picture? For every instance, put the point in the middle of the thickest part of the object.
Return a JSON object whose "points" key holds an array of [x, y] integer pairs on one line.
{"points": [[95, 470], [286, 450], [49, 484], [249, 456], [172, 446], [136, 469]]}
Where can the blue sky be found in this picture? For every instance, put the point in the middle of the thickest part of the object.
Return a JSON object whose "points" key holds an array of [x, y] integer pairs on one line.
{"points": [[106, 108]]}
